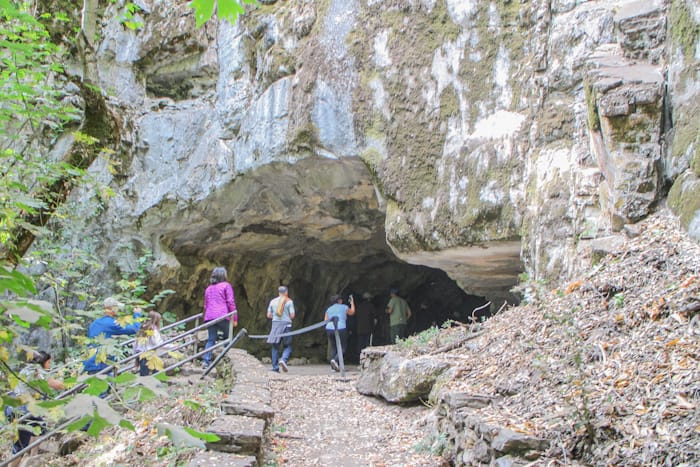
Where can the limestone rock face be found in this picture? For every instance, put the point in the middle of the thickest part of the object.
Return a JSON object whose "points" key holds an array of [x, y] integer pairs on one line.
{"points": [[347, 144], [683, 155]]}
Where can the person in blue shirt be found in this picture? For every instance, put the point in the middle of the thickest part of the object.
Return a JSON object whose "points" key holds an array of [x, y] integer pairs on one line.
{"points": [[341, 311], [108, 326]]}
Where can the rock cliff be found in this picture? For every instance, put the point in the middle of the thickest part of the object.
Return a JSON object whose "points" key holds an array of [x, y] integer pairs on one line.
{"points": [[353, 144]]}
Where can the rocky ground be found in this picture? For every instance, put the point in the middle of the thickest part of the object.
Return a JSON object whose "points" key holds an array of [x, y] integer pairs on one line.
{"points": [[321, 420], [606, 368]]}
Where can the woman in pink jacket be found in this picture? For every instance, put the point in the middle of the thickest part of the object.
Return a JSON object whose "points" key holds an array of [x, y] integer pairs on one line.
{"points": [[218, 301]]}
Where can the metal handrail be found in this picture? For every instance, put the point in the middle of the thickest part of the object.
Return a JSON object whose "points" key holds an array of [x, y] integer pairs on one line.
{"points": [[169, 326], [227, 342], [116, 365], [118, 369]]}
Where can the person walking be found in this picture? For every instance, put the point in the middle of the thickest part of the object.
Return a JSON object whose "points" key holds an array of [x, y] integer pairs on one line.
{"points": [[281, 311], [399, 313], [219, 300], [341, 311], [108, 326]]}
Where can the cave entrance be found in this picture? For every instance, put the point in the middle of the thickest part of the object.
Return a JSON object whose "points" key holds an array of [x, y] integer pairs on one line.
{"points": [[318, 227], [434, 298]]}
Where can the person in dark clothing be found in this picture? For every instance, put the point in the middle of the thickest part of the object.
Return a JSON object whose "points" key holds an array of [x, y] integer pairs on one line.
{"points": [[366, 315], [108, 326]]}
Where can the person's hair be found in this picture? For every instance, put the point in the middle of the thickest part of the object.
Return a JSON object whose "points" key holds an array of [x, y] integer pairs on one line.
{"points": [[152, 323], [218, 275], [40, 357]]}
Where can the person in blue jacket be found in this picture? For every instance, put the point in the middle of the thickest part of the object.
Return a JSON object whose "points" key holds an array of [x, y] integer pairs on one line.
{"points": [[108, 326]]}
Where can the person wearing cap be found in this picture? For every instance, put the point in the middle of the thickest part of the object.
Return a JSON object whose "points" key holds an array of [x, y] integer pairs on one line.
{"points": [[341, 311], [281, 311], [108, 326], [399, 313], [219, 300], [366, 317]]}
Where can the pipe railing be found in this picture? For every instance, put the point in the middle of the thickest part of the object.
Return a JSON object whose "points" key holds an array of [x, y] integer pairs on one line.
{"points": [[117, 367]]}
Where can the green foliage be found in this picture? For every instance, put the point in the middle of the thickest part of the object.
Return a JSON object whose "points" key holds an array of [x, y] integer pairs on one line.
{"points": [[32, 111], [129, 18], [228, 10], [186, 437], [436, 444], [619, 300]]}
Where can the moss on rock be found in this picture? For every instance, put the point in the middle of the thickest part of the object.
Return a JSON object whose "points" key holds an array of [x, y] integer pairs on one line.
{"points": [[684, 198], [684, 29]]}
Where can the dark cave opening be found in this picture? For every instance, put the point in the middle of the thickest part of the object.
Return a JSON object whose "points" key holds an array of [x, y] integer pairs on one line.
{"points": [[433, 297]]}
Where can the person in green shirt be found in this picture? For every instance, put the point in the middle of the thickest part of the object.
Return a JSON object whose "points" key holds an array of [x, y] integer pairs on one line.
{"points": [[399, 313]]}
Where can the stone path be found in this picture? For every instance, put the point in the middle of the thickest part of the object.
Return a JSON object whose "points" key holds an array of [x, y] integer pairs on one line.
{"points": [[311, 417]]}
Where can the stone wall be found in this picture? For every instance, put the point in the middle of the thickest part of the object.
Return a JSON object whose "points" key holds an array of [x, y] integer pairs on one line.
{"points": [[485, 139]]}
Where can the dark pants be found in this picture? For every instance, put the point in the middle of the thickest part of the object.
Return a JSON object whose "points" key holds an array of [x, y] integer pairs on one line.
{"points": [[143, 367], [24, 436], [214, 330], [343, 333], [399, 331], [363, 341]]}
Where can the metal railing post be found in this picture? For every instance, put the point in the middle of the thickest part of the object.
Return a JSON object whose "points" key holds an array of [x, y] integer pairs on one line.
{"points": [[195, 345]]}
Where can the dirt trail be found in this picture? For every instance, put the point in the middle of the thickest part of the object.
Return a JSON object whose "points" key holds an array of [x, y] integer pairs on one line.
{"points": [[321, 420]]}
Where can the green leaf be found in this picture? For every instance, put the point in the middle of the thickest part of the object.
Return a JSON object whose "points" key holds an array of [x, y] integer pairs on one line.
{"points": [[208, 437], [79, 424], [28, 311], [16, 282], [185, 437], [98, 424], [52, 403], [125, 378], [203, 11], [127, 424], [96, 386], [194, 405], [229, 10]]}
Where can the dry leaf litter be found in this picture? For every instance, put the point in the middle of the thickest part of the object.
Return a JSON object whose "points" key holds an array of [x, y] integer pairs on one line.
{"points": [[608, 366]]}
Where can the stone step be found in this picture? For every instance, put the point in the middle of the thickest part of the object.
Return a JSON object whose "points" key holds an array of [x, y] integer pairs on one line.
{"points": [[238, 434], [211, 458], [248, 408]]}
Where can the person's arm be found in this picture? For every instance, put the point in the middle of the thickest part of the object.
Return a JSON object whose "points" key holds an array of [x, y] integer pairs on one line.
{"points": [[351, 309], [116, 329], [269, 309], [204, 308], [292, 311], [231, 303], [56, 384], [408, 313]]}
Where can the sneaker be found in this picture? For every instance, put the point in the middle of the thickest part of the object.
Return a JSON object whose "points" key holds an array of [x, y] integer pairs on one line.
{"points": [[205, 365], [276, 370], [334, 365], [283, 365]]}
